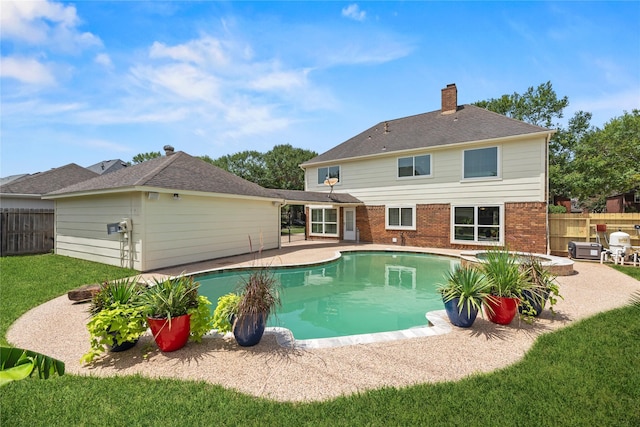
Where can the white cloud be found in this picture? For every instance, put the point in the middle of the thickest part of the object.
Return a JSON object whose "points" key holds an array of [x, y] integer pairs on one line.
{"points": [[281, 80], [45, 23], [184, 80], [27, 70], [205, 50], [353, 12], [104, 59]]}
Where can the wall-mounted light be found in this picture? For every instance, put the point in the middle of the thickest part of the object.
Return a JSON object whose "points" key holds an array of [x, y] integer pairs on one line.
{"points": [[176, 196]]}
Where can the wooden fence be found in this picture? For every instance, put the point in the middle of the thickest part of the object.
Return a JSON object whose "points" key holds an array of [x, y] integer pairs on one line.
{"points": [[26, 231], [564, 228]]}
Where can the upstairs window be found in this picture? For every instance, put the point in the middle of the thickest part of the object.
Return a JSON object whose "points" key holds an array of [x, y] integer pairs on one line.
{"points": [[480, 163], [328, 172], [414, 166]]}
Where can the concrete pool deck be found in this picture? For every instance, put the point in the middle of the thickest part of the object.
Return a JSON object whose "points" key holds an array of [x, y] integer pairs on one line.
{"points": [[57, 328]]}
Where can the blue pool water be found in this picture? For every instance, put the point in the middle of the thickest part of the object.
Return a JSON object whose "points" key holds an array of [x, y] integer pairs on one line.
{"points": [[360, 293]]}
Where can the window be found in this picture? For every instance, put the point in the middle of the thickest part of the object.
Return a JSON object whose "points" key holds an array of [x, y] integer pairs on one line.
{"points": [[480, 163], [328, 172], [478, 224], [324, 221], [414, 166], [401, 218]]}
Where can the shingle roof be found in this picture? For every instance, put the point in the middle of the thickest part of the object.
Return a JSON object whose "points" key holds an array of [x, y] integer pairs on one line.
{"points": [[469, 123], [107, 166], [51, 180], [179, 171]]}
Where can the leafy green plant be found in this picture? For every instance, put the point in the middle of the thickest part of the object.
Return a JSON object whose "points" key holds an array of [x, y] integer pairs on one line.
{"points": [[170, 297], [117, 316], [226, 309], [542, 283], [115, 325], [201, 319], [17, 364], [469, 285]]}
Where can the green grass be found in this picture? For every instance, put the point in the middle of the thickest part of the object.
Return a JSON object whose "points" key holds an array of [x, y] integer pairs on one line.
{"points": [[586, 374], [628, 270], [28, 281], [294, 230]]}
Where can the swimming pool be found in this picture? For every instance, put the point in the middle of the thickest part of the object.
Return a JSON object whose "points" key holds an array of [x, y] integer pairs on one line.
{"points": [[359, 293]]}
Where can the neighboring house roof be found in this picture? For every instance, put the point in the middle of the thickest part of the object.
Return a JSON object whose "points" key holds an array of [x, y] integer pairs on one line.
{"points": [[178, 171], [51, 180], [108, 166], [8, 179], [467, 124]]}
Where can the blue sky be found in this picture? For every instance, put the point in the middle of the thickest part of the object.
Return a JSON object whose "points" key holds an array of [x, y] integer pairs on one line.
{"points": [[90, 81]]}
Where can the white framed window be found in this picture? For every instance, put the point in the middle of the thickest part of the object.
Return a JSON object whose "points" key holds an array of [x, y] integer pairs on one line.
{"points": [[327, 172], [482, 224], [324, 221], [400, 217], [414, 166], [481, 163]]}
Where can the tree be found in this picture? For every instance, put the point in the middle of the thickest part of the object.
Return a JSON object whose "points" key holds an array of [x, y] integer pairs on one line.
{"points": [[607, 161], [282, 164], [562, 152], [143, 157], [537, 106], [249, 164]]}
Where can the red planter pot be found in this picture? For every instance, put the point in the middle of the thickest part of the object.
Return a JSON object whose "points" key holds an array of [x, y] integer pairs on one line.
{"points": [[504, 310], [171, 335]]}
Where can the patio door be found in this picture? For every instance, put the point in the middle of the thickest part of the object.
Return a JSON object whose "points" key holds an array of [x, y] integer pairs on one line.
{"points": [[349, 220]]}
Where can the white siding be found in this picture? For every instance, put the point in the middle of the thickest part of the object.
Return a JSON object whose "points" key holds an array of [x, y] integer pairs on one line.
{"points": [[201, 228], [81, 229], [166, 232], [375, 182]]}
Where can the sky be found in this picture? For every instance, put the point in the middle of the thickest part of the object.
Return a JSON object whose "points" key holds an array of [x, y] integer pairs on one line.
{"points": [[87, 81]]}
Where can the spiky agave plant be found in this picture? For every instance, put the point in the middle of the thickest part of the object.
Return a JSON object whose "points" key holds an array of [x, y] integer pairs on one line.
{"points": [[469, 285]]}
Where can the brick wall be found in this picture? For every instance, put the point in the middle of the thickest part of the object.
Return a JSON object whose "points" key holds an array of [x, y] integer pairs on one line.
{"points": [[525, 227]]}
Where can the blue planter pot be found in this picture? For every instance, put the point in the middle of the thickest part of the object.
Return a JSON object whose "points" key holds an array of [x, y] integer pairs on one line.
{"points": [[463, 319], [248, 330], [536, 302]]}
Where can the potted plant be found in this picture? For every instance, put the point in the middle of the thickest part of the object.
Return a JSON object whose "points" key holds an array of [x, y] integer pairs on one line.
{"points": [[463, 293], [169, 306], [117, 317], [543, 288], [507, 281], [259, 297]]}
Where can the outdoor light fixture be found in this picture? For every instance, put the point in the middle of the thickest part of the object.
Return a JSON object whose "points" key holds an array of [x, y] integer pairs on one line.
{"points": [[176, 196]]}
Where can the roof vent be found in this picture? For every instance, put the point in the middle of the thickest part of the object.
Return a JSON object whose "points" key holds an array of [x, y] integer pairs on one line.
{"points": [[168, 150]]}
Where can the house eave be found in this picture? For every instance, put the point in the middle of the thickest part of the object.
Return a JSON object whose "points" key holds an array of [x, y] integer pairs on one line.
{"points": [[394, 153], [145, 189]]}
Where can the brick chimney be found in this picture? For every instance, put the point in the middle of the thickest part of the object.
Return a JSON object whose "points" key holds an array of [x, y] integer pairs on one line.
{"points": [[168, 150], [449, 99]]}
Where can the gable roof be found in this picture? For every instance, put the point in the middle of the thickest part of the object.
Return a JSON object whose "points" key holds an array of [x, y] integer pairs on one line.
{"points": [[467, 124], [51, 180], [107, 166], [178, 171]]}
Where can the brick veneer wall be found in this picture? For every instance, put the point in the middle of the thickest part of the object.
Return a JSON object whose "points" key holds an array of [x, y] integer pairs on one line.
{"points": [[525, 227]]}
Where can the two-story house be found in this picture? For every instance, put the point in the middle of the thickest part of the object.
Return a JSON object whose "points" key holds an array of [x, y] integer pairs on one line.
{"points": [[460, 177]]}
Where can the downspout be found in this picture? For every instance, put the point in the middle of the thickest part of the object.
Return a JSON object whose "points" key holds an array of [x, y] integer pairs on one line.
{"points": [[546, 190]]}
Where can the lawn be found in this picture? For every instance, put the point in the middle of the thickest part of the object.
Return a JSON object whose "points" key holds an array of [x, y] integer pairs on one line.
{"points": [[586, 374]]}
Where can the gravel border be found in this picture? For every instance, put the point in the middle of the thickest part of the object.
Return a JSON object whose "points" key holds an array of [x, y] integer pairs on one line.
{"points": [[268, 370]]}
